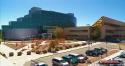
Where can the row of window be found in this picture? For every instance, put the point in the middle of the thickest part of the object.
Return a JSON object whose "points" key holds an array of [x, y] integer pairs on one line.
{"points": [[112, 31], [110, 24], [118, 35], [77, 35], [109, 31], [78, 30]]}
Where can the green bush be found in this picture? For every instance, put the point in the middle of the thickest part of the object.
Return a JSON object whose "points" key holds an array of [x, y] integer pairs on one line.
{"points": [[19, 53], [28, 52], [38, 52], [44, 51], [11, 54]]}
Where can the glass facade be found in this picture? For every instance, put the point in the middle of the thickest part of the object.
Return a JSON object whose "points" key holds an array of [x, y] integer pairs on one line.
{"points": [[38, 18], [44, 18]]}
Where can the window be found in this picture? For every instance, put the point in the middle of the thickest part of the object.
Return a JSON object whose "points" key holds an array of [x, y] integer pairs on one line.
{"points": [[78, 30]]}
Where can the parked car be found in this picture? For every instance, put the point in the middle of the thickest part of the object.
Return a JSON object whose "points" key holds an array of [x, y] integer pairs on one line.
{"points": [[58, 61], [92, 53], [112, 62], [70, 59], [122, 55], [101, 51], [81, 58], [96, 52], [117, 58], [89, 52], [104, 50], [35, 63], [41, 64]]}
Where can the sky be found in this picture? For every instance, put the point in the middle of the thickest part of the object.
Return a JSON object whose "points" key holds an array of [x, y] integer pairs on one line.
{"points": [[86, 11]]}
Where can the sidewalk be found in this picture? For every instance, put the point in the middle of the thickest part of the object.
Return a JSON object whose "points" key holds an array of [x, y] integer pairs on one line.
{"points": [[20, 60], [5, 62], [5, 49]]}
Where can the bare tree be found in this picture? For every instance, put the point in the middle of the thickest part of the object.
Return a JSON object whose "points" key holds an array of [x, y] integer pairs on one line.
{"points": [[53, 44]]}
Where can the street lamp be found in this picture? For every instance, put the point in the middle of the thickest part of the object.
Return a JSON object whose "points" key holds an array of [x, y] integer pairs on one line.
{"points": [[88, 25], [119, 44], [106, 45], [106, 41]]}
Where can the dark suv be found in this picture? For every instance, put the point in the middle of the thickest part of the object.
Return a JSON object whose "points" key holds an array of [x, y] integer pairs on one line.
{"points": [[71, 60], [81, 58], [101, 51], [96, 52]]}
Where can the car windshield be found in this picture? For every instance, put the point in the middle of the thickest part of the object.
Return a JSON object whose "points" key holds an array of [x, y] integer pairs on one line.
{"points": [[97, 48], [42, 65], [80, 55], [62, 61], [66, 58], [123, 53], [73, 55]]}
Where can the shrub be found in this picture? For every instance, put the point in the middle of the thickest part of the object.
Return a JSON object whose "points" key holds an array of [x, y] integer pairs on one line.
{"points": [[44, 51], [53, 51], [19, 53], [11, 54], [28, 52], [4, 55], [38, 52], [49, 50], [56, 49], [76, 45], [32, 46], [61, 48], [67, 47], [70, 46]]}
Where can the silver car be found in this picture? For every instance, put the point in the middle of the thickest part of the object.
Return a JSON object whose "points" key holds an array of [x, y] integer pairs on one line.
{"points": [[58, 61]]}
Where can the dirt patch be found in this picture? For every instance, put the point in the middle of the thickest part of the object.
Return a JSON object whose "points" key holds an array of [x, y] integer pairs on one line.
{"points": [[83, 64], [122, 44], [15, 46]]}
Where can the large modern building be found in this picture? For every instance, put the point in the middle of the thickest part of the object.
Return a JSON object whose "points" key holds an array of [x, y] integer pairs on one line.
{"points": [[110, 29], [105, 29], [77, 33], [33, 23], [42, 23]]}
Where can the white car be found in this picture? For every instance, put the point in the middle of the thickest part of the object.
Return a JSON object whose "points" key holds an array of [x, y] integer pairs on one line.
{"points": [[36, 63], [41, 64], [58, 61]]}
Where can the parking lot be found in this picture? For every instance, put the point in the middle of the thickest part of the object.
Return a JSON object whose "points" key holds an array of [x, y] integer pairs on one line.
{"points": [[48, 59], [93, 59]]}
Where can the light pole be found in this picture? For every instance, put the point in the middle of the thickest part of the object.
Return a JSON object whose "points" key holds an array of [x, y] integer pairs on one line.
{"points": [[106, 41], [88, 25], [119, 47], [106, 45], [119, 44]]}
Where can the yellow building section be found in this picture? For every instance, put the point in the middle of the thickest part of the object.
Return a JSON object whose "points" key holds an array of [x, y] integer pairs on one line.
{"points": [[99, 23]]}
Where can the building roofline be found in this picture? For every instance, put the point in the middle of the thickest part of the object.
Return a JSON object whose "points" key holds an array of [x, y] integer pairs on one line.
{"points": [[104, 18]]}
